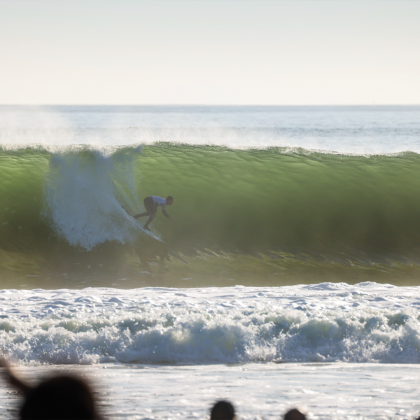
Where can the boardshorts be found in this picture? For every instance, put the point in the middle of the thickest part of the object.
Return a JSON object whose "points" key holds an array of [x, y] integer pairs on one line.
{"points": [[150, 206]]}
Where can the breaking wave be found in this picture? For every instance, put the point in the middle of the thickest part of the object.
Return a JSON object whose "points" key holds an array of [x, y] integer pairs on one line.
{"points": [[276, 204]]}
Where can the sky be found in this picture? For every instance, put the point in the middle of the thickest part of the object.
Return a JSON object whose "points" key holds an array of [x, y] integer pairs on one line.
{"points": [[219, 52]]}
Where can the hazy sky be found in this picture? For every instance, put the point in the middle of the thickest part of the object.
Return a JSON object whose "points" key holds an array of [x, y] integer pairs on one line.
{"points": [[209, 52]]}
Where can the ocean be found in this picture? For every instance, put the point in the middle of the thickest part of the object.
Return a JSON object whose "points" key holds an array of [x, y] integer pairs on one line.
{"points": [[289, 275]]}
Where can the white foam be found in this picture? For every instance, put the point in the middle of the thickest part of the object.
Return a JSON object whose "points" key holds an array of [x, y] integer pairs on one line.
{"points": [[80, 198], [364, 323]]}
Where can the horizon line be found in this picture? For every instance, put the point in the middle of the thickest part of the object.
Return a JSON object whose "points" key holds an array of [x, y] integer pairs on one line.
{"points": [[207, 105]]}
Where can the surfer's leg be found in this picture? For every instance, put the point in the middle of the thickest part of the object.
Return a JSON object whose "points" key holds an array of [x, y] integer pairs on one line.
{"points": [[148, 203], [152, 216]]}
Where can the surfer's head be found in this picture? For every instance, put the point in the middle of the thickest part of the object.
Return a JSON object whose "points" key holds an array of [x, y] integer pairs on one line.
{"points": [[169, 200]]}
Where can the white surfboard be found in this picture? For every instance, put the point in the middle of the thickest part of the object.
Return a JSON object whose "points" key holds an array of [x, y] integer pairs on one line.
{"points": [[126, 205]]}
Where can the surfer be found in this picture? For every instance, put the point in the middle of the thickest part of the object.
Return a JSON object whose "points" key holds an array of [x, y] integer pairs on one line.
{"points": [[151, 204]]}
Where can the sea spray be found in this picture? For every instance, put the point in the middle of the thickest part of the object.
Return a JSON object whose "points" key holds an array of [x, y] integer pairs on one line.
{"points": [[80, 200]]}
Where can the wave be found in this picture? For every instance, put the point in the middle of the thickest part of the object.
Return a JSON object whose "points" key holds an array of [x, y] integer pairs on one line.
{"points": [[317, 323], [235, 210]]}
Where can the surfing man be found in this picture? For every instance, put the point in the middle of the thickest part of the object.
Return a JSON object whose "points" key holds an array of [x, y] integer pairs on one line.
{"points": [[152, 203]]}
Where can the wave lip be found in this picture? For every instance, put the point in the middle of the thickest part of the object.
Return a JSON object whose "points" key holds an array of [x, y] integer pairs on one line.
{"points": [[331, 322]]}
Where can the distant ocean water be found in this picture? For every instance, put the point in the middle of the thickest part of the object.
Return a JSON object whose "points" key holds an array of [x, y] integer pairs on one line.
{"points": [[296, 240]]}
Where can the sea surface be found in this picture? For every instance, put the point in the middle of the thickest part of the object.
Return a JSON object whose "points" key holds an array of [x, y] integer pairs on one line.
{"points": [[289, 276]]}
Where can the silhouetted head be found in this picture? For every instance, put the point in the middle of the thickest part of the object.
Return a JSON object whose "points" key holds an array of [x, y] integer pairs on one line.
{"points": [[222, 410], [169, 200], [62, 397], [294, 414]]}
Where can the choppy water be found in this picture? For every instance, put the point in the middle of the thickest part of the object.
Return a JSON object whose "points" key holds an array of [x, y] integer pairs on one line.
{"points": [[327, 322], [335, 350]]}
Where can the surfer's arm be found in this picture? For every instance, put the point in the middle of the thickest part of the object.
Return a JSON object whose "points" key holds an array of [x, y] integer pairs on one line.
{"points": [[166, 214]]}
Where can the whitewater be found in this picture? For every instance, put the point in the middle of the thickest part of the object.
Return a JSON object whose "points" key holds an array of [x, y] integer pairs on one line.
{"points": [[289, 277], [327, 322]]}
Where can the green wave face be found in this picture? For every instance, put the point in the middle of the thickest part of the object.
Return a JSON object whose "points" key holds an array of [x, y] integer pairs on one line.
{"points": [[21, 189], [248, 201], [257, 216]]}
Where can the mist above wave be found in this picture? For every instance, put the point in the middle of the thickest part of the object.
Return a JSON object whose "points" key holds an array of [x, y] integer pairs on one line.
{"points": [[348, 130]]}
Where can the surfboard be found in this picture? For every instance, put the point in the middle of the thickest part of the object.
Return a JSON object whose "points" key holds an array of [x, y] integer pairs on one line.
{"points": [[127, 206]]}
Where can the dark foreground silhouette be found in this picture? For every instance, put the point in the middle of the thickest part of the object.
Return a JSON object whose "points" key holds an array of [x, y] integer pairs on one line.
{"points": [[62, 397], [294, 414], [68, 397], [222, 410]]}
